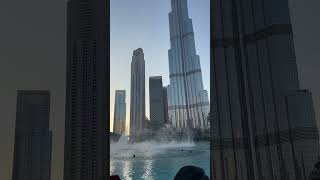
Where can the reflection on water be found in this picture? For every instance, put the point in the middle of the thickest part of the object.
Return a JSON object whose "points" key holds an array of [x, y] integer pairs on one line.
{"points": [[127, 170], [148, 170], [156, 161]]}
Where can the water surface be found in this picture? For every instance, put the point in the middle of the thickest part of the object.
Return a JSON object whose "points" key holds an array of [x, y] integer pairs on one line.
{"points": [[154, 161]]}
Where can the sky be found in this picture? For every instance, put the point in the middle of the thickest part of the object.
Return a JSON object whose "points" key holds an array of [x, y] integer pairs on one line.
{"points": [[33, 56], [145, 24]]}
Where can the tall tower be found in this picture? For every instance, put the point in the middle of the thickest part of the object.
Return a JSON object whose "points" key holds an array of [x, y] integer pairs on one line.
{"points": [[265, 125], [119, 124], [188, 101], [33, 139], [157, 107], [137, 108], [86, 91]]}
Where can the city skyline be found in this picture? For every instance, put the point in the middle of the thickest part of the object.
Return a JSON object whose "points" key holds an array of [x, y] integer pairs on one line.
{"points": [[155, 47], [28, 61]]}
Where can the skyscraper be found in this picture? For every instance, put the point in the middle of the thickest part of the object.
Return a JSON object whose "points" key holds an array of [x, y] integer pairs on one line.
{"points": [[303, 127], [137, 107], [86, 91], [187, 100], [156, 97], [165, 103], [33, 139], [257, 94], [119, 123]]}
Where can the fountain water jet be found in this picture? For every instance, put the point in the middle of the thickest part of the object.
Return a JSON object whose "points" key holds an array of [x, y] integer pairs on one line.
{"points": [[150, 149]]}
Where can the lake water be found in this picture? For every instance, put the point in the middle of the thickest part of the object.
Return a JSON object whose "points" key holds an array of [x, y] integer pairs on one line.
{"points": [[154, 161]]}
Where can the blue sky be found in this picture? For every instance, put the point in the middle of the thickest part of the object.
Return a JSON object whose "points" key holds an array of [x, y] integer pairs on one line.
{"points": [[145, 24]]}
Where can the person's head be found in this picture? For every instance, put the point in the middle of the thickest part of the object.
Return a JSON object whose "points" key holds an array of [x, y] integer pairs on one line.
{"points": [[116, 177], [191, 173]]}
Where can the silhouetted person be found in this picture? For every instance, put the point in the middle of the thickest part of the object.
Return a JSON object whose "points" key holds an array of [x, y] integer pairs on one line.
{"points": [[191, 173], [315, 174], [116, 177]]}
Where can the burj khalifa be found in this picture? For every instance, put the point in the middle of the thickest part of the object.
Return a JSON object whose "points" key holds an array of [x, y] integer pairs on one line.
{"points": [[188, 103]]}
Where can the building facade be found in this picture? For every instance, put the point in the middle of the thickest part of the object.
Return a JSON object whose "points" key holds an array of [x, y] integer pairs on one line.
{"points": [[156, 97], [119, 123], [165, 103], [86, 128], [256, 90], [33, 139], [304, 132], [137, 103], [188, 102]]}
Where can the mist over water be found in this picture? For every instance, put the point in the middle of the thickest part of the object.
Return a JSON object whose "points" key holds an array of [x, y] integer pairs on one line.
{"points": [[154, 160], [151, 149]]}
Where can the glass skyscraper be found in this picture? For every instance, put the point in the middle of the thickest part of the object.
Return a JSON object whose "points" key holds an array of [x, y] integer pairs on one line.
{"points": [[119, 124], [165, 102], [157, 106], [137, 103], [265, 126], [188, 102]]}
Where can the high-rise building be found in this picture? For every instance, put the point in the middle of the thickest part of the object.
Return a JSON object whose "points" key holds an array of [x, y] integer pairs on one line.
{"points": [[137, 103], [33, 139], [119, 123], [262, 115], [187, 100], [165, 103], [156, 97], [86, 129], [304, 132]]}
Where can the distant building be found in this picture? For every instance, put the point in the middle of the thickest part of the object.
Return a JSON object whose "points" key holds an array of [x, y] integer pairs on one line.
{"points": [[137, 107], [165, 103], [187, 100], [147, 123], [33, 139], [157, 106], [119, 124], [86, 126], [114, 137]]}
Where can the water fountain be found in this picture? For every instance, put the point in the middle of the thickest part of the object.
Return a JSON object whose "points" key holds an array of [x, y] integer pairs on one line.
{"points": [[162, 153], [150, 149], [155, 159]]}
